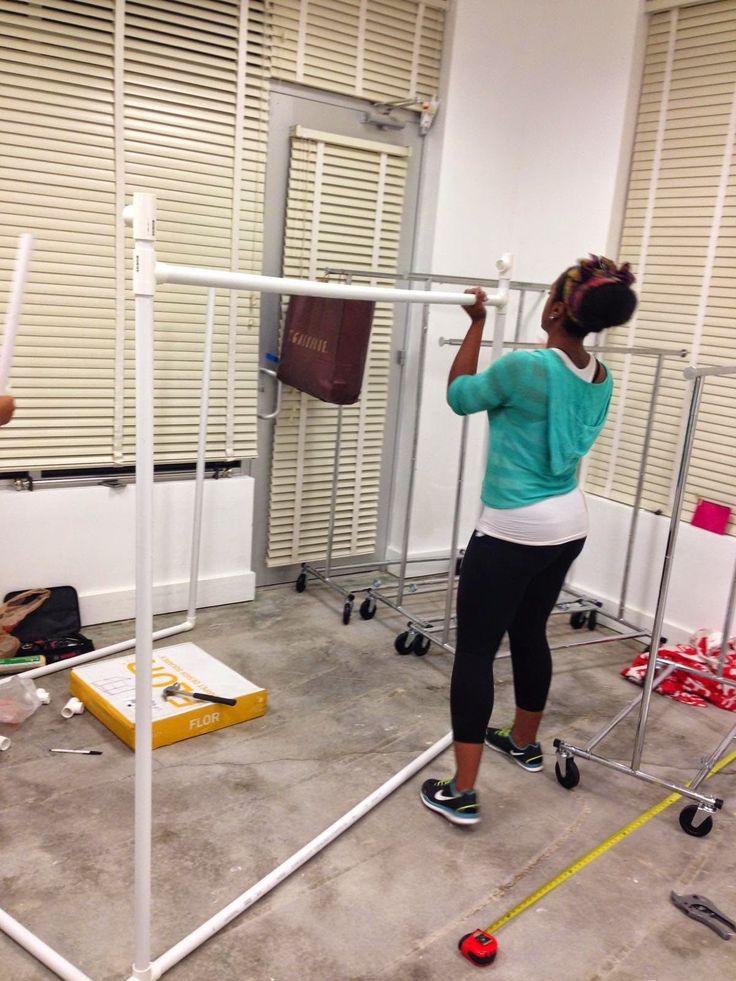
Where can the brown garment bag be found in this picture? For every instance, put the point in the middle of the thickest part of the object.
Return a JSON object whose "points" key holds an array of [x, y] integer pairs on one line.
{"points": [[325, 346]]}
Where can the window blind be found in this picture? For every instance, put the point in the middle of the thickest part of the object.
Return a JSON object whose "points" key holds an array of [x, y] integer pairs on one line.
{"points": [[57, 180], [185, 140], [344, 206], [101, 100], [679, 233], [375, 49]]}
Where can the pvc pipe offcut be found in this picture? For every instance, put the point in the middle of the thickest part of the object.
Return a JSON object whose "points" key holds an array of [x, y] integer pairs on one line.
{"points": [[72, 707], [12, 317]]}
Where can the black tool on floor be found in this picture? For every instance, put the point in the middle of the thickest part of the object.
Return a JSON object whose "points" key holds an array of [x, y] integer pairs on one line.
{"points": [[700, 908], [176, 691]]}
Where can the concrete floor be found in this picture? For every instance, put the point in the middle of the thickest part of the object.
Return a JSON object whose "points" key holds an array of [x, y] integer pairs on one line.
{"points": [[390, 899]]}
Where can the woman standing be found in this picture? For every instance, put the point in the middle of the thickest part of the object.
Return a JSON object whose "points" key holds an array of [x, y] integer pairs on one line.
{"points": [[545, 409]]}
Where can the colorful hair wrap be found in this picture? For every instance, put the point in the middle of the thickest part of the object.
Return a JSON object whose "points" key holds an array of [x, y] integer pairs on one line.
{"points": [[589, 274]]}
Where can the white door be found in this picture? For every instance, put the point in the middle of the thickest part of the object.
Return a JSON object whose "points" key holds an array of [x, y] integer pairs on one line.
{"points": [[293, 497]]}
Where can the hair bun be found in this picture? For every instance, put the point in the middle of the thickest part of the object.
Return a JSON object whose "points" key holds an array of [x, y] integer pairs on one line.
{"points": [[583, 279]]}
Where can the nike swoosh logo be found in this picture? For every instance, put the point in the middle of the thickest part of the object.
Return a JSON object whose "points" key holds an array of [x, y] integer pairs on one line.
{"points": [[442, 796]]}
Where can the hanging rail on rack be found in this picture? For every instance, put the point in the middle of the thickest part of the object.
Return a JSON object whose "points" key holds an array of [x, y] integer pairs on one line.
{"points": [[696, 819]]}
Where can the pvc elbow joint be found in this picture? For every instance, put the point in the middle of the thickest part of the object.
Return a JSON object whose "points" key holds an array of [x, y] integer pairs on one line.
{"points": [[72, 707], [4, 743]]}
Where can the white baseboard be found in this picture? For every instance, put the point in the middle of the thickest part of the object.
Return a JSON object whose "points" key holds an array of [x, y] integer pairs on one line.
{"points": [[109, 607]]}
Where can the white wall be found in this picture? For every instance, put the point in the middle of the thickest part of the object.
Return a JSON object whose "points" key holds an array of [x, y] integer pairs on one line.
{"points": [[537, 112], [85, 537], [701, 573], [531, 158]]}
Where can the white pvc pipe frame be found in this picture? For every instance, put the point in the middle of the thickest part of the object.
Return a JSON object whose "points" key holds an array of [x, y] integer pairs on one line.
{"points": [[147, 273]]}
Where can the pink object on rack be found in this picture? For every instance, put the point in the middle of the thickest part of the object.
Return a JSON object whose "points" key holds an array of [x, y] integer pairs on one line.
{"points": [[713, 517]]}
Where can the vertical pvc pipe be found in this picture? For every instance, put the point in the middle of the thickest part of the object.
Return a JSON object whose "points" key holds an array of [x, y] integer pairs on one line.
{"points": [[499, 318], [144, 286], [204, 408], [519, 316], [414, 449], [640, 486], [667, 569], [15, 303]]}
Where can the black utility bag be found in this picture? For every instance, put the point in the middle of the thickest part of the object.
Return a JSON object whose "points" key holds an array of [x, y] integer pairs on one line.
{"points": [[52, 630]]}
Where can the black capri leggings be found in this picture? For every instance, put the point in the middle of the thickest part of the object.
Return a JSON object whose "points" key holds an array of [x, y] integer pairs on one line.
{"points": [[504, 587]]}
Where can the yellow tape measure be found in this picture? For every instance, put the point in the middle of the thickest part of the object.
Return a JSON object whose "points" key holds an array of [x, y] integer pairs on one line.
{"points": [[480, 947]]}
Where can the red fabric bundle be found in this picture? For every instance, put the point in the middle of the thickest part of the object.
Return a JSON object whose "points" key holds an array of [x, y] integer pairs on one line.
{"points": [[702, 654]]}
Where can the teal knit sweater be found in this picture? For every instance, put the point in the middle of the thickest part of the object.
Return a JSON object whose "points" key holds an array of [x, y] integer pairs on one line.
{"points": [[542, 418]]}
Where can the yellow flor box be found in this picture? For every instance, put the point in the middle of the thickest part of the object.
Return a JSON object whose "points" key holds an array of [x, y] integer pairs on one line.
{"points": [[107, 690]]}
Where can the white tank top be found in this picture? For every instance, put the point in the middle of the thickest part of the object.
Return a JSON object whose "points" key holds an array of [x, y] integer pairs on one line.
{"points": [[553, 521]]}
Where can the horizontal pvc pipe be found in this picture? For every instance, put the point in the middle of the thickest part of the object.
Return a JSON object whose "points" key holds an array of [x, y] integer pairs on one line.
{"points": [[41, 951], [208, 929], [220, 278], [124, 645], [15, 302]]}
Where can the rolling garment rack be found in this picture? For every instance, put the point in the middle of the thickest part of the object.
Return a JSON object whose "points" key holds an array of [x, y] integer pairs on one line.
{"points": [[147, 274], [422, 632], [392, 593], [697, 818]]}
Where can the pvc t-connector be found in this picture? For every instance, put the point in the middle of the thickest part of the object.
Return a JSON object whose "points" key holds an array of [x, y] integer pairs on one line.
{"points": [[142, 217], [43, 695], [72, 707], [4, 743]]}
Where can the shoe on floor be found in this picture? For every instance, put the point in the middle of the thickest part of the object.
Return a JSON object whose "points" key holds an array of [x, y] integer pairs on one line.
{"points": [[529, 757], [441, 796]]}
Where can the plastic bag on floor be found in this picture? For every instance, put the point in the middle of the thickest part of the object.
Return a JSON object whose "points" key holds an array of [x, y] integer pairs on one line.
{"points": [[18, 700]]}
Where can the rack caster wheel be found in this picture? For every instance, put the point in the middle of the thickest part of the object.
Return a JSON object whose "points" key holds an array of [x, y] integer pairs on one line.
{"points": [[368, 608], [347, 611], [571, 777], [686, 822], [420, 646], [592, 620], [301, 582], [578, 619], [402, 644]]}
